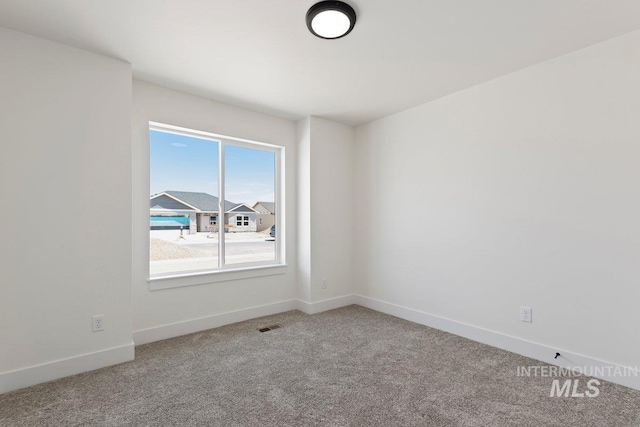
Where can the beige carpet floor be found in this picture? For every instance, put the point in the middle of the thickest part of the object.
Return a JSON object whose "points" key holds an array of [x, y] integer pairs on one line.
{"points": [[345, 367]]}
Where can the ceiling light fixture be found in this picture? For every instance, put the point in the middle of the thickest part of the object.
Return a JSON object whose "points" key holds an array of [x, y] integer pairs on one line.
{"points": [[331, 19]]}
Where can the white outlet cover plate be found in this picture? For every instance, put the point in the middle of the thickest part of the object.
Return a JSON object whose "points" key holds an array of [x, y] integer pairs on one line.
{"points": [[526, 314], [97, 323]]}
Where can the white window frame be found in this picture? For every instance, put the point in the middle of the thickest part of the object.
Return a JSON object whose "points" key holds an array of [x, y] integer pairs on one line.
{"points": [[238, 270]]}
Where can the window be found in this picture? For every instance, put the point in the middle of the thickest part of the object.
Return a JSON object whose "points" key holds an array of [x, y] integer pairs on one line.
{"points": [[242, 221], [196, 178]]}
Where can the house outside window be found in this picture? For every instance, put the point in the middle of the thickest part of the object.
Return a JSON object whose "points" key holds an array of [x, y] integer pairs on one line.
{"points": [[193, 175]]}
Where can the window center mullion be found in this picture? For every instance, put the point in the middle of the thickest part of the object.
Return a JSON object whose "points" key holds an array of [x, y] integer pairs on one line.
{"points": [[221, 207]]}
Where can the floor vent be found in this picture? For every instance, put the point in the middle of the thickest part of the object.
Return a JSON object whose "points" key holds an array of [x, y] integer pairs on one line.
{"points": [[270, 327]]}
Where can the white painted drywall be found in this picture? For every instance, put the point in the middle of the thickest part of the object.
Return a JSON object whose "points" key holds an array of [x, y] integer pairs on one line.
{"points": [[332, 208], [65, 167], [157, 308], [521, 191], [325, 209], [303, 232]]}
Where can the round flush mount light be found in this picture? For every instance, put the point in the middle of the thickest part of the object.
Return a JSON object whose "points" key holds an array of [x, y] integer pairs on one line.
{"points": [[331, 19]]}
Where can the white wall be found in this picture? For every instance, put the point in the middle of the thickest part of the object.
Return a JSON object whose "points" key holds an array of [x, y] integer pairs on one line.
{"points": [[332, 208], [527, 192], [159, 308], [326, 209], [303, 233], [65, 117]]}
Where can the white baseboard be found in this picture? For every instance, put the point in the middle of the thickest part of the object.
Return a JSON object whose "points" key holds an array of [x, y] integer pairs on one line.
{"points": [[25, 377], [45, 372], [163, 332], [526, 348], [324, 305], [32, 375]]}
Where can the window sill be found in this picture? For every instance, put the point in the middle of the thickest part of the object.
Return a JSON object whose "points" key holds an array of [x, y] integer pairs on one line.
{"points": [[180, 280]]}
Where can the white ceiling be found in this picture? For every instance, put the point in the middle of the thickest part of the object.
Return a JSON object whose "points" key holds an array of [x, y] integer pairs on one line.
{"points": [[259, 53]]}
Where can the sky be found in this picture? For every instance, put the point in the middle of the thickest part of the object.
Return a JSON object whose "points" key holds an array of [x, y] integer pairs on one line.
{"points": [[185, 163]]}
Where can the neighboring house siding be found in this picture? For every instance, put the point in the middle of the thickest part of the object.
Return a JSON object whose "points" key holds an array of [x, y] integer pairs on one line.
{"points": [[264, 221], [266, 215], [193, 224]]}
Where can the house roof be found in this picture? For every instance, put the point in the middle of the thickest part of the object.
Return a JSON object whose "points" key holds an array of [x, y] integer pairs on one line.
{"points": [[270, 206], [239, 208], [164, 201], [201, 201]]}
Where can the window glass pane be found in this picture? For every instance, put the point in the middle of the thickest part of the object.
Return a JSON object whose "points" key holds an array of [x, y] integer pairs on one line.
{"points": [[183, 203], [249, 181]]}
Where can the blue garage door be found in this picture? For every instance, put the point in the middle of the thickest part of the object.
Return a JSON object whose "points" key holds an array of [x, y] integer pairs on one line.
{"points": [[169, 222]]}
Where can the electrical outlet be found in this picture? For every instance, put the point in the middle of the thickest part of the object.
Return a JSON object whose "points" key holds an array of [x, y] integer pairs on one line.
{"points": [[97, 323], [324, 283], [525, 314]]}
